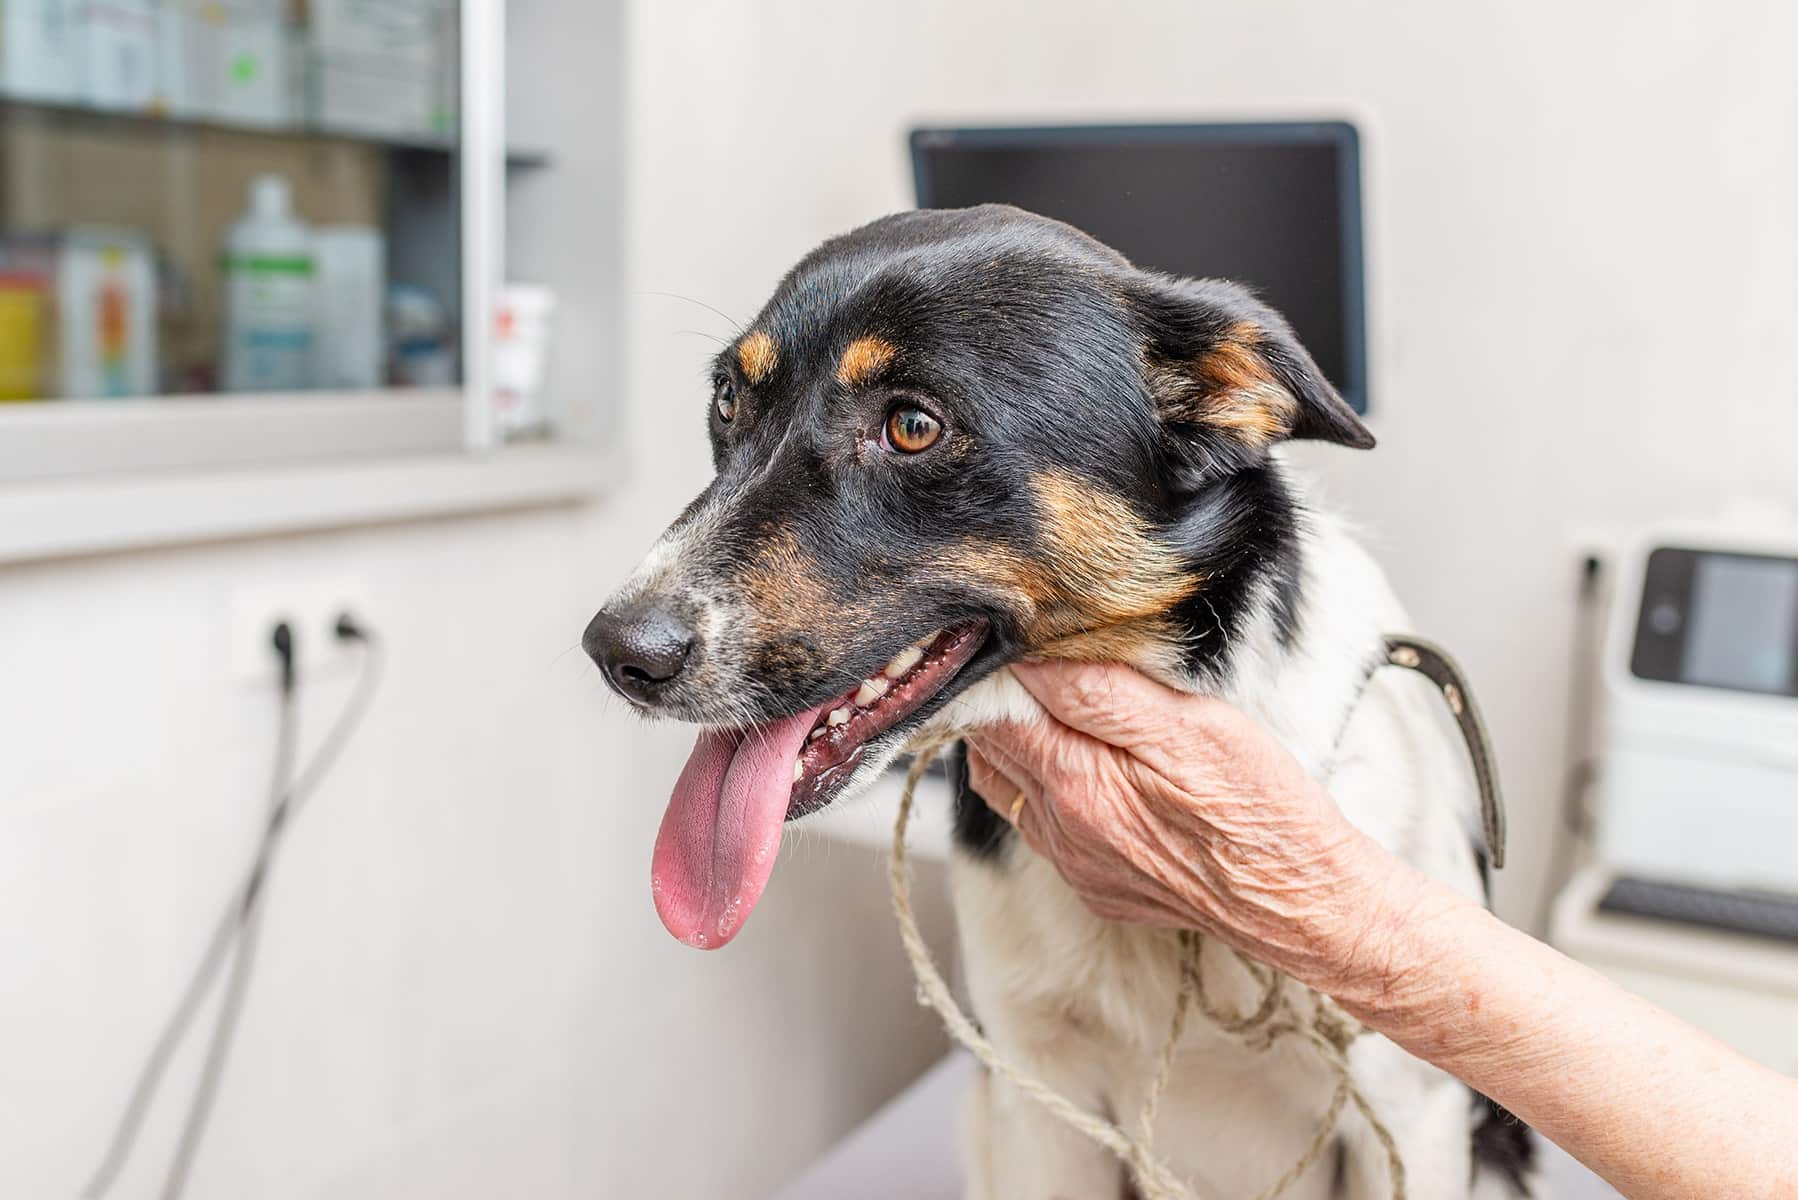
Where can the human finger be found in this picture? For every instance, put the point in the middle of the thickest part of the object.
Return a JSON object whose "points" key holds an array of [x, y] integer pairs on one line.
{"points": [[1004, 791], [1114, 703]]}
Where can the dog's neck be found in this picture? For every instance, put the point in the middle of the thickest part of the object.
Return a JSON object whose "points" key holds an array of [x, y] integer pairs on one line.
{"points": [[1302, 624], [1297, 672], [1304, 687]]}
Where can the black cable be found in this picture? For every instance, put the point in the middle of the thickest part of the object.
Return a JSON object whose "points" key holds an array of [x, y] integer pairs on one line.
{"points": [[239, 921], [218, 1050], [163, 1050]]}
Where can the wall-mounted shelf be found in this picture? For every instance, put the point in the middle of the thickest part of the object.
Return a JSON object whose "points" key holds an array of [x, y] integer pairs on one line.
{"points": [[66, 519], [91, 117], [241, 277]]}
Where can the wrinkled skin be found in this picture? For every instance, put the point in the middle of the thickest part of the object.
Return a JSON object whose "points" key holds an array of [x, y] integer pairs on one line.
{"points": [[1163, 808]]}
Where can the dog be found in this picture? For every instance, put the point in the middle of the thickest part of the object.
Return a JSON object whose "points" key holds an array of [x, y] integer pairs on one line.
{"points": [[954, 438]]}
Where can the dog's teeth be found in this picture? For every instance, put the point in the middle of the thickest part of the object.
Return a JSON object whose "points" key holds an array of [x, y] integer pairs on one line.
{"points": [[816, 734], [838, 716], [902, 662], [798, 771], [870, 691]]}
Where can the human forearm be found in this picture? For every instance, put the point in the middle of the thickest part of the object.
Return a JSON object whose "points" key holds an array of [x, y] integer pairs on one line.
{"points": [[1658, 1108], [1164, 809]]}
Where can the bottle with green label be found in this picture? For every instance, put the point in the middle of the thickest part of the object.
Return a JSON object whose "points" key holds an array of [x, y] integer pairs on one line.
{"points": [[269, 315]]}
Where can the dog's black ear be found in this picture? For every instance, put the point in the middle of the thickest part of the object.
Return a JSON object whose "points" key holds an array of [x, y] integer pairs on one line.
{"points": [[1226, 370]]}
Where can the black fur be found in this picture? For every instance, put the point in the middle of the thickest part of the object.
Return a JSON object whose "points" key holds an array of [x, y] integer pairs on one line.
{"points": [[1040, 351], [979, 831], [1502, 1144], [1288, 573], [1240, 533]]}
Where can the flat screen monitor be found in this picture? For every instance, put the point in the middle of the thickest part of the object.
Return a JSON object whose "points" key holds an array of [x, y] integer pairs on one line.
{"points": [[1719, 620], [1276, 206]]}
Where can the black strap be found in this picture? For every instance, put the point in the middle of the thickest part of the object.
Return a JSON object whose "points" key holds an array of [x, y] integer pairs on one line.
{"points": [[1433, 662]]}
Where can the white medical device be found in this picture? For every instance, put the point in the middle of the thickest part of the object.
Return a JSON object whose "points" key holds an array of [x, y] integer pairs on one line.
{"points": [[1698, 778]]}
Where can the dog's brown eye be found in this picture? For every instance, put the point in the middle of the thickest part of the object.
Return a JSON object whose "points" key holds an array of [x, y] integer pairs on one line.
{"points": [[910, 430], [724, 400]]}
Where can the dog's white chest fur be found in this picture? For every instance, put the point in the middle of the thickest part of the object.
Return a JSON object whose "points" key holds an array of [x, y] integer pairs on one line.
{"points": [[1085, 1004]]}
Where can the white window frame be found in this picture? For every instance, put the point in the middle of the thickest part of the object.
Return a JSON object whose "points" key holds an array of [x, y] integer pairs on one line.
{"points": [[68, 442]]}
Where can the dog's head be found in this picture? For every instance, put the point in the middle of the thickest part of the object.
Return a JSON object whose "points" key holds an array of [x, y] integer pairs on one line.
{"points": [[950, 439]]}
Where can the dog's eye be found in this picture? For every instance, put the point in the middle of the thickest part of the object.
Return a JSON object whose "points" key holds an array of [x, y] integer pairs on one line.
{"points": [[724, 400], [911, 430]]}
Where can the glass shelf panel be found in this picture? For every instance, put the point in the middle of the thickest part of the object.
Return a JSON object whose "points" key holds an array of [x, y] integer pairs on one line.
{"points": [[230, 195]]}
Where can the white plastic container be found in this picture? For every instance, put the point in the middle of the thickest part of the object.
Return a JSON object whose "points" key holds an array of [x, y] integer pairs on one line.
{"points": [[270, 276], [38, 58], [116, 47], [418, 331], [106, 314], [352, 284], [240, 61], [398, 28], [377, 66], [523, 321], [172, 92]]}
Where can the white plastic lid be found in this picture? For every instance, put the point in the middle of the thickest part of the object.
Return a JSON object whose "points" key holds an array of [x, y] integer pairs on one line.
{"points": [[270, 199]]}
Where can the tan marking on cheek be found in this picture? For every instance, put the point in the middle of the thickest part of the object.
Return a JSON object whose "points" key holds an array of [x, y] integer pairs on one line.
{"points": [[795, 618], [1100, 589], [1150, 643], [1231, 387], [781, 582], [997, 573], [864, 359], [757, 354], [1106, 563]]}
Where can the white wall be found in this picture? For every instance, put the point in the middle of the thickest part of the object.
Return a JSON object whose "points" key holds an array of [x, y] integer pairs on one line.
{"points": [[1583, 258], [463, 990], [1584, 273]]}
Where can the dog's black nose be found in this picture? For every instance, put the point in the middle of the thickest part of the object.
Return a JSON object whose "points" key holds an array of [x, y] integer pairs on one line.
{"points": [[641, 649]]}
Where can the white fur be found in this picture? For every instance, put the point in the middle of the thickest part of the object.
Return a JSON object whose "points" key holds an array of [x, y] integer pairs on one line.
{"points": [[1084, 1004]]}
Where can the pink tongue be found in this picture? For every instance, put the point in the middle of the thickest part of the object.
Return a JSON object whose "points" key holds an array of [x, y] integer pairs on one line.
{"points": [[723, 825]]}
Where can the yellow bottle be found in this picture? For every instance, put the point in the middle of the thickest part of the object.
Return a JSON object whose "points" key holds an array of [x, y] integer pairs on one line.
{"points": [[21, 336]]}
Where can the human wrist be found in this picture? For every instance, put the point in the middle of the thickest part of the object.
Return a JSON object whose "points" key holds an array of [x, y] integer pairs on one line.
{"points": [[1378, 954]]}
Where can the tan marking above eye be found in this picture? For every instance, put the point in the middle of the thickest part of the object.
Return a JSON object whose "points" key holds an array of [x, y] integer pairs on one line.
{"points": [[864, 359], [757, 354]]}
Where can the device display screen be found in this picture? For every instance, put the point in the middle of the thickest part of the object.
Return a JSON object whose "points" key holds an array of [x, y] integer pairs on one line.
{"points": [[1275, 207], [1719, 620]]}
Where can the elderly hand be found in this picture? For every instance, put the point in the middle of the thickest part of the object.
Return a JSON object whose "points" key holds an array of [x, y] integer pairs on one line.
{"points": [[1162, 808], [1170, 809]]}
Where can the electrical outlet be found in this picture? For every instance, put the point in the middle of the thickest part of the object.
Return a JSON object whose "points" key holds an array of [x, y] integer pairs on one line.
{"points": [[310, 611]]}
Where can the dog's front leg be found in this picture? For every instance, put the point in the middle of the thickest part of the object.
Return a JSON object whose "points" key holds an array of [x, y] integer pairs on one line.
{"points": [[1430, 1117], [1015, 1150]]}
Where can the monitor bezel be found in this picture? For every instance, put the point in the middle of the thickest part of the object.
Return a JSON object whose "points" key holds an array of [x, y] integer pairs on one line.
{"points": [[1342, 136]]}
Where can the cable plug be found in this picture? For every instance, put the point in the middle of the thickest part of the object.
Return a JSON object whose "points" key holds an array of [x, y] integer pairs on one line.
{"points": [[281, 639]]}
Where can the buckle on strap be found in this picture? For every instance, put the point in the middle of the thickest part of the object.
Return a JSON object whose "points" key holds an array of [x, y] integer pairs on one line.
{"points": [[1433, 663]]}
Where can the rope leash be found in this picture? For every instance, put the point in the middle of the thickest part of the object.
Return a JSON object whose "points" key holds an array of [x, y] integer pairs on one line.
{"points": [[1274, 1017]]}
